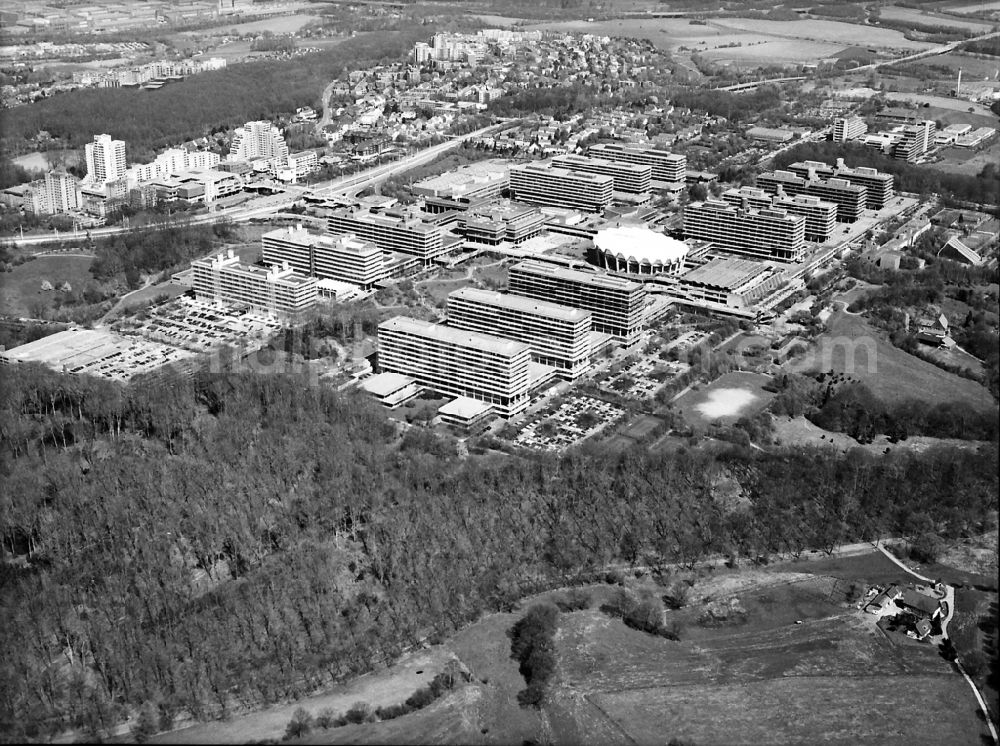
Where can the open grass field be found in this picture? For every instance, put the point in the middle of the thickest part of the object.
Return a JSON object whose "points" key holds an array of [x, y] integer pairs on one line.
{"points": [[848, 34], [801, 710], [966, 161], [44, 161], [800, 431], [20, 289], [930, 18], [725, 400], [278, 26], [713, 41], [853, 347]]}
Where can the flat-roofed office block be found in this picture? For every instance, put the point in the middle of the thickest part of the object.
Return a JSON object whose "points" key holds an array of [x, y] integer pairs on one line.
{"points": [[617, 305], [558, 335], [457, 362]]}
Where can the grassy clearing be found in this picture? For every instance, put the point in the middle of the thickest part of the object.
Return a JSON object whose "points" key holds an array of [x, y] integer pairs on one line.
{"points": [[923, 17], [21, 288], [929, 709], [752, 383], [853, 347], [967, 161]]}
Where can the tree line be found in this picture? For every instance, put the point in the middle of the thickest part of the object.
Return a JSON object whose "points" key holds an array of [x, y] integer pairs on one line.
{"points": [[192, 545], [151, 120]]}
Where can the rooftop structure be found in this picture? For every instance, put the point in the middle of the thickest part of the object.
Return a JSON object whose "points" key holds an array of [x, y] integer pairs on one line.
{"points": [[636, 249], [95, 352], [667, 169], [343, 257], [500, 222], [280, 292], [821, 217], [544, 184], [765, 234], [879, 186], [617, 305], [849, 198], [632, 178], [457, 362], [468, 186], [558, 335], [730, 283], [403, 231]]}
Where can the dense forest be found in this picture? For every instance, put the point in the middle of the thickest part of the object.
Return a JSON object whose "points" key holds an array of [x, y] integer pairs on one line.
{"points": [[191, 545], [983, 188], [150, 120]]}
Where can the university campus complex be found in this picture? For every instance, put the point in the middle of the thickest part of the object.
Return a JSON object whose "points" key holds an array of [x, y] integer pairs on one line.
{"points": [[653, 346]]}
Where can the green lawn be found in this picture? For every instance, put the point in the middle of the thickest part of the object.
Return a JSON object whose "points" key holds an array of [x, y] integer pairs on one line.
{"points": [[20, 289], [853, 347]]}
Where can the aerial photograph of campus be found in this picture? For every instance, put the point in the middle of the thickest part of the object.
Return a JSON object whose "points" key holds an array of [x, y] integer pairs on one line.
{"points": [[529, 372]]}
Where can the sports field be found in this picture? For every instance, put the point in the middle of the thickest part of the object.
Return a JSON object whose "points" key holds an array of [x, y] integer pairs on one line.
{"points": [[725, 400]]}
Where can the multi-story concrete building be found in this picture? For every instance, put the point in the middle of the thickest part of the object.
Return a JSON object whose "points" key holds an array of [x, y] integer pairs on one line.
{"points": [[298, 166], [667, 169], [631, 178], [457, 362], [469, 186], [617, 305], [280, 292], [543, 184], [849, 198], [344, 257], [915, 141], [105, 160], [257, 140], [848, 128], [765, 234], [401, 231], [821, 217], [62, 192], [558, 335], [169, 162], [879, 186], [504, 222]]}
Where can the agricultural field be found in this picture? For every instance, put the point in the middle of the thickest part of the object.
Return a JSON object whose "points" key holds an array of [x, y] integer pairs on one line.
{"points": [[725, 400], [848, 34], [20, 289], [800, 710], [930, 18], [853, 347]]}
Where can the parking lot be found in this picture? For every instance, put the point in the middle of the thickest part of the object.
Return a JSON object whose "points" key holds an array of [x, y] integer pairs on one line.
{"points": [[200, 327], [576, 418]]}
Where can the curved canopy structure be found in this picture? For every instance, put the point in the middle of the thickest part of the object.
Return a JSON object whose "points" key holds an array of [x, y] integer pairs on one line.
{"points": [[637, 249]]}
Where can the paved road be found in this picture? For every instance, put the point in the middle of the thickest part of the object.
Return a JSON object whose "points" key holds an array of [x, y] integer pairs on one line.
{"points": [[264, 206]]}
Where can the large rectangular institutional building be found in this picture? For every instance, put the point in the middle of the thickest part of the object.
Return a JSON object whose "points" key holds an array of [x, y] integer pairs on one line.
{"points": [[849, 198], [617, 306], [821, 217], [343, 257], [390, 231], [543, 184], [281, 292], [765, 234], [558, 335], [667, 168], [632, 178], [879, 186], [457, 362]]}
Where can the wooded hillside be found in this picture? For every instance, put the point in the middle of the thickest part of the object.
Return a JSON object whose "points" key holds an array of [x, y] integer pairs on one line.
{"points": [[198, 544]]}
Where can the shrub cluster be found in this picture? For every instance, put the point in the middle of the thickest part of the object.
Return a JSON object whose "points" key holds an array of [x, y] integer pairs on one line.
{"points": [[643, 614], [532, 646]]}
